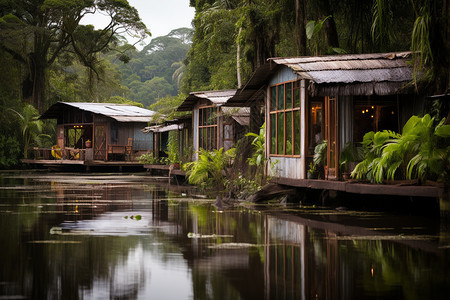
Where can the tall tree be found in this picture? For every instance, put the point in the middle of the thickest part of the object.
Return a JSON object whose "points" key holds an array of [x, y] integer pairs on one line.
{"points": [[300, 26], [429, 37], [37, 32]]}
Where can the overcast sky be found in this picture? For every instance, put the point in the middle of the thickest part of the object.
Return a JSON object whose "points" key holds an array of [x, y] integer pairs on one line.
{"points": [[160, 16]]}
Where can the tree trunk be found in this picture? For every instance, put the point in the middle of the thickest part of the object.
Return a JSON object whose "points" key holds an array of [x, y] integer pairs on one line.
{"points": [[34, 86], [238, 60], [330, 25], [331, 32], [300, 26]]}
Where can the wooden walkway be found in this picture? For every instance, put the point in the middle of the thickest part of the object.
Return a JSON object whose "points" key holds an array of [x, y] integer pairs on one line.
{"points": [[400, 189], [87, 164]]}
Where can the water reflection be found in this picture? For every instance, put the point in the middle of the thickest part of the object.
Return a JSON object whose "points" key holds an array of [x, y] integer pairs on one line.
{"points": [[127, 237]]}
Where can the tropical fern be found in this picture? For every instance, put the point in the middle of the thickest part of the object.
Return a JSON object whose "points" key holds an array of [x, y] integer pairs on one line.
{"points": [[30, 125], [374, 166], [320, 154], [211, 168], [432, 157], [258, 158], [421, 152]]}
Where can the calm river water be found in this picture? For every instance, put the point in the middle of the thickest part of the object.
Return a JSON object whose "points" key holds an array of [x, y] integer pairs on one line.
{"points": [[109, 236]]}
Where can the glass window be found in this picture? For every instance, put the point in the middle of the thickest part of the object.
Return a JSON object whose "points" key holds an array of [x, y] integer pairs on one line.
{"points": [[280, 144], [273, 98], [280, 97], [208, 128], [289, 128], [288, 95], [273, 134], [227, 136], [285, 119], [297, 132]]}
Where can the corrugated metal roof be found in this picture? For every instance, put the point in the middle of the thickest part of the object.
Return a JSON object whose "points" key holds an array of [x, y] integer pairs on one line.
{"points": [[119, 112], [237, 111], [348, 74], [163, 128], [377, 67], [243, 121], [218, 98]]}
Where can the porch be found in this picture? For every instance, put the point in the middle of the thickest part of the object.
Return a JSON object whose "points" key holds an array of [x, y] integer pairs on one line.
{"points": [[83, 165]]}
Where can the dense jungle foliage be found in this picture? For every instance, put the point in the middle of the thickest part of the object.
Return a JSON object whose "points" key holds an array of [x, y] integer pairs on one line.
{"points": [[47, 55]]}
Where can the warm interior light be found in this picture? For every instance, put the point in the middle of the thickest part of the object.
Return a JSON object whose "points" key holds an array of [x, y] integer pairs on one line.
{"points": [[371, 116], [372, 106], [363, 111], [367, 110]]}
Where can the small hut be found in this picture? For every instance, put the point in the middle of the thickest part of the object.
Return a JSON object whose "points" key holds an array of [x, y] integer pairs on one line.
{"points": [[214, 125], [181, 129], [335, 98], [99, 131]]}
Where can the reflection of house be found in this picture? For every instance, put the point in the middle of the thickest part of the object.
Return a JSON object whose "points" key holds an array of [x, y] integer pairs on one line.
{"points": [[334, 98], [215, 126], [100, 131]]}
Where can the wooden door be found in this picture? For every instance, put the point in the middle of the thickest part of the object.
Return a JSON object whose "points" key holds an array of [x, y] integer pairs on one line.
{"points": [[100, 142], [331, 127]]}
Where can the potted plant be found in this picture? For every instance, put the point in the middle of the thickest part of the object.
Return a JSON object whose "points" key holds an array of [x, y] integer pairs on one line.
{"points": [[312, 171], [348, 158]]}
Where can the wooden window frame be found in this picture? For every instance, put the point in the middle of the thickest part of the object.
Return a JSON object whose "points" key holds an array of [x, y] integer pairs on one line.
{"points": [[210, 127], [295, 86]]}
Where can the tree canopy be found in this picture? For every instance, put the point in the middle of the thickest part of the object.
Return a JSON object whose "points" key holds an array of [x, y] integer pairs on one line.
{"points": [[38, 32], [233, 37]]}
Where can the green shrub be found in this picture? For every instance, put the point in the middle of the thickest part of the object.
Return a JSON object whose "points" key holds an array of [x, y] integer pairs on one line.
{"points": [[148, 159], [421, 152], [211, 168], [9, 152]]}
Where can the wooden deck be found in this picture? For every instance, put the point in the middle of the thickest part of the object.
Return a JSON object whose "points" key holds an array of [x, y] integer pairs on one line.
{"points": [[400, 189], [88, 165]]}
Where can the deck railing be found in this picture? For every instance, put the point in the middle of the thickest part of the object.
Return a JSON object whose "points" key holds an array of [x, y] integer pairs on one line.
{"points": [[58, 154], [115, 152]]}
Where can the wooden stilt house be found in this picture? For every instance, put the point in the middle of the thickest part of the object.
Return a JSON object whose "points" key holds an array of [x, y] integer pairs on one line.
{"points": [[334, 98], [99, 131], [214, 125], [181, 129]]}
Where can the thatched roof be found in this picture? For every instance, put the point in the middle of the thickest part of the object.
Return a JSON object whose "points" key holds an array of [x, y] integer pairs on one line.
{"points": [[350, 74]]}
